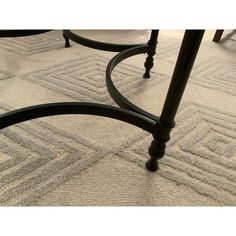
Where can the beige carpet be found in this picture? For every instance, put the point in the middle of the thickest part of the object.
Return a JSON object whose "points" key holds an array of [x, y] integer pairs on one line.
{"points": [[89, 160]]}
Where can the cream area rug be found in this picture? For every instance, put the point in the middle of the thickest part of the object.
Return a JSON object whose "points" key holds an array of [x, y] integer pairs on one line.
{"points": [[81, 160]]}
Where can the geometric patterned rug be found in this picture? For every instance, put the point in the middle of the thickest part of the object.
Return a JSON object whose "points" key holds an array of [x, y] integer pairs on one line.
{"points": [[78, 160]]}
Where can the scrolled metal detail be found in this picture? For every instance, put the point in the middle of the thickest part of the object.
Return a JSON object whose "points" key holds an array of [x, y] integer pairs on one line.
{"points": [[115, 94]]}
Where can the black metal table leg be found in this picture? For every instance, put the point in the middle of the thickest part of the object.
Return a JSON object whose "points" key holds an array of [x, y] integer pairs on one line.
{"points": [[218, 35], [189, 48], [67, 41], [151, 51]]}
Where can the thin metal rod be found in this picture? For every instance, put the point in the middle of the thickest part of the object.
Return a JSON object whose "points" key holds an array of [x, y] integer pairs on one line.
{"points": [[20, 33], [63, 108], [154, 36], [96, 44], [188, 52]]}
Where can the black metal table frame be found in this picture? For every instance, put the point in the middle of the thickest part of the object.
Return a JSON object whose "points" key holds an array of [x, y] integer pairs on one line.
{"points": [[160, 127]]}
